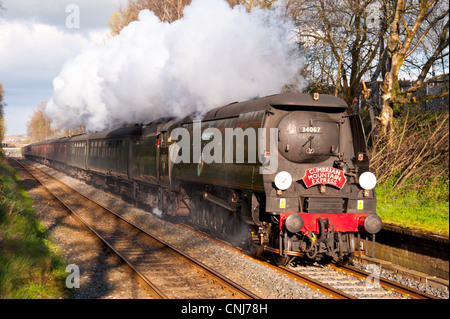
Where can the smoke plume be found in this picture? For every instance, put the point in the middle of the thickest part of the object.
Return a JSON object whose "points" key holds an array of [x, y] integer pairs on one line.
{"points": [[214, 55]]}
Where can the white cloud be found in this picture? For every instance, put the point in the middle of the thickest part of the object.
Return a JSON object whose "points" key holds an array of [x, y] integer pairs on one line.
{"points": [[93, 13], [35, 44], [213, 56], [34, 53]]}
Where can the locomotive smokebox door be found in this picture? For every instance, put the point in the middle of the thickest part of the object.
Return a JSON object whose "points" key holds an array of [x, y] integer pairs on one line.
{"points": [[307, 137]]}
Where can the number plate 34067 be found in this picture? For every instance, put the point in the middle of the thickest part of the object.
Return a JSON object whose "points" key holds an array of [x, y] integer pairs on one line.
{"points": [[310, 129]]}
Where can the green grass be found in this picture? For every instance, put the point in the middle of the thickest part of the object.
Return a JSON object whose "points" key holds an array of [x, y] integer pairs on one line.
{"points": [[412, 168], [425, 207], [30, 265]]}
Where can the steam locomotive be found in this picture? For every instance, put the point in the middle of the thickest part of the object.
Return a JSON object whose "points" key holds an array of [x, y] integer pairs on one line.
{"points": [[286, 174]]}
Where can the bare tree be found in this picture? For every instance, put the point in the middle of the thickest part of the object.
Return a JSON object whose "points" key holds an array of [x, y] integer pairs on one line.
{"points": [[39, 125], [166, 11], [2, 105], [411, 41], [2, 8], [409, 31], [351, 41], [2, 92], [341, 39], [250, 4]]}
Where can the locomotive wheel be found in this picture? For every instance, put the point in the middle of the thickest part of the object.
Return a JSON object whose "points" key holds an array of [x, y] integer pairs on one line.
{"points": [[209, 220], [220, 215], [203, 221], [219, 222], [280, 260], [209, 217], [162, 201], [237, 231], [216, 220], [232, 229], [197, 213]]}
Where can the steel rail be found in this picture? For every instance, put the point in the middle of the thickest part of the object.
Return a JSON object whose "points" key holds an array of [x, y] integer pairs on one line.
{"points": [[321, 287], [385, 283], [148, 285], [303, 279], [317, 285], [236, 288]]}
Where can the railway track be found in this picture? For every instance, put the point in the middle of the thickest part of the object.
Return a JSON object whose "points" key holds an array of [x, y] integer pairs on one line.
{"points": [[382, 282], [317, 285], [165, 271], [343, 281], [333, 280]]}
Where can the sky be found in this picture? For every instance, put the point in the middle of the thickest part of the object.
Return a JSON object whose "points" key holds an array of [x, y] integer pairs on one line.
{"points": [[59, 51], [36, 38]]}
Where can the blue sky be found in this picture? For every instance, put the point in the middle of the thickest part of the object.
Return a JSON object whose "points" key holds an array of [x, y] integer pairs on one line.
{"points": [[36, 38]]}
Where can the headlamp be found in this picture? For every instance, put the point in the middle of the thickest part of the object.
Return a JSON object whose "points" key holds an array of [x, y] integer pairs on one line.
{"points": [[367, 180], [283, 180]]}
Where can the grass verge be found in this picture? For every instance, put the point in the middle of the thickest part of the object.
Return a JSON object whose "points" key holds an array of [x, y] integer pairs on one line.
{"points": [[413, 172], [30, 265], [423, 208]]}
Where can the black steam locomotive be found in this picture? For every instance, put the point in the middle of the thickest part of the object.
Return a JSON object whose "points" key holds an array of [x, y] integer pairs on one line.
{"points": [[287, 174]]}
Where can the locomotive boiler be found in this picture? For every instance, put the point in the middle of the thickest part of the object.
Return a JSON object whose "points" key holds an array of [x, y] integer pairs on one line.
{"points": [[287, 174]]}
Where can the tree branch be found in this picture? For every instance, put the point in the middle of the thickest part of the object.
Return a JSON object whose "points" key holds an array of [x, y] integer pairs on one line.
{"points": [[415, 99]]}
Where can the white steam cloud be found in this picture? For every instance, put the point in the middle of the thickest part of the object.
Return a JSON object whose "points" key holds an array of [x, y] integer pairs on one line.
{"points": [[213, 56]]}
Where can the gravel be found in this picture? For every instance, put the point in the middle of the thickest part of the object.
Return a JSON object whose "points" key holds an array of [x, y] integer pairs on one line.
{"points": [[261, 280], [257, 278], [102, 274], [439, 293]]}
